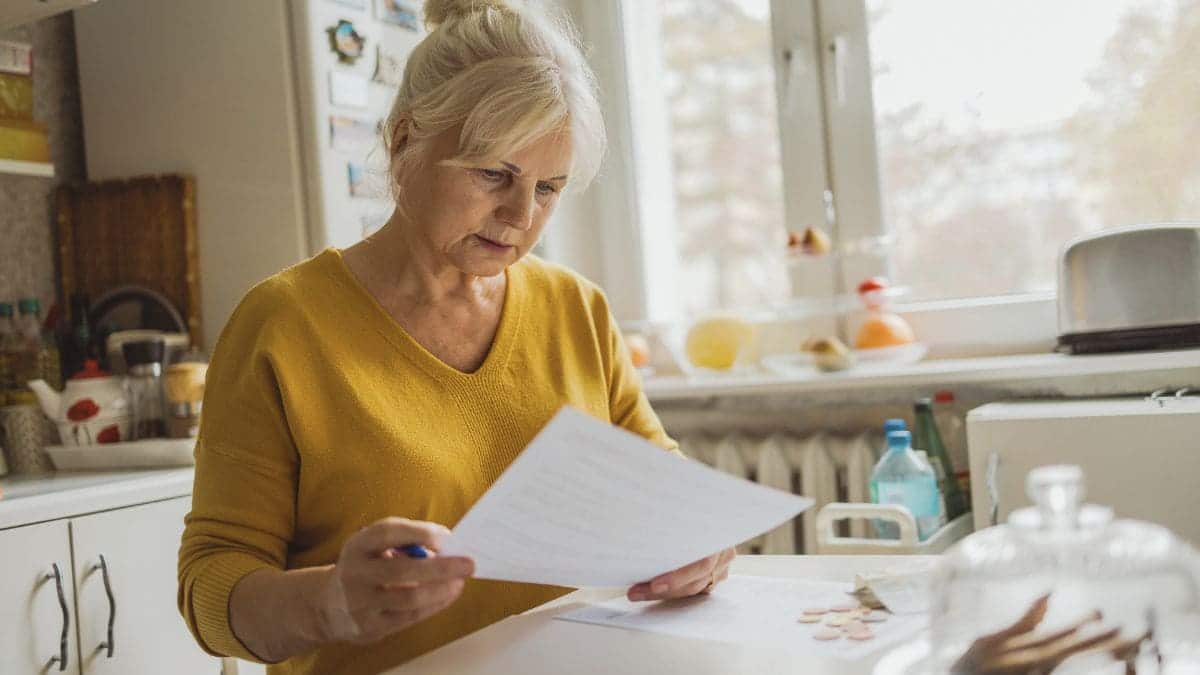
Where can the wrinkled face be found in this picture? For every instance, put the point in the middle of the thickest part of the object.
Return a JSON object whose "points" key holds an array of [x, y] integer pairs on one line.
{"points": [[481, 219]]}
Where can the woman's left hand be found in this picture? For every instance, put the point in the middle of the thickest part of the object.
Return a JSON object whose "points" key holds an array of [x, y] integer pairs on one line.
{"points": [[698, 577]]}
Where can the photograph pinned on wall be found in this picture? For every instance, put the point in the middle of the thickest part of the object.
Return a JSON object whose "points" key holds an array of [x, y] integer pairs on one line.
{"points": [[353, 4], [346, 42], [350, 134], [16, 58], [389, 67], [402, 13], [348, 89]]}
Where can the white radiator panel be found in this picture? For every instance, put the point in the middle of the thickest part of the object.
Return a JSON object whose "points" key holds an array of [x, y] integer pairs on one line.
{"points": [[823, 467]]}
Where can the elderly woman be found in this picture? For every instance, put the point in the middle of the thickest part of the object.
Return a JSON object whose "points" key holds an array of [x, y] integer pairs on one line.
{"points": [[364, 399]]}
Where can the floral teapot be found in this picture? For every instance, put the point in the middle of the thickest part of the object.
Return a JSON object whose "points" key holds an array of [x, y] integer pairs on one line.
{"points": [[93, 408]]}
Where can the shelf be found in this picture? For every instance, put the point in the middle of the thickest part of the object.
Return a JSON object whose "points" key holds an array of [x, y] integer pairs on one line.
{"points": [[17, 167], [924, 374]]}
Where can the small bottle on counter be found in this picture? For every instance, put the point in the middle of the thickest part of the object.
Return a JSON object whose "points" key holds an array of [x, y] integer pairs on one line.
{"points": [[902, 478], [184, 386], [928, 439], [145, 368], [949, 419]]}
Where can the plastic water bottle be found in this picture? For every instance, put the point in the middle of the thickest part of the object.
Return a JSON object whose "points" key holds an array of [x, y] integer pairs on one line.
{"points": [[902, 478], [890, 425]]}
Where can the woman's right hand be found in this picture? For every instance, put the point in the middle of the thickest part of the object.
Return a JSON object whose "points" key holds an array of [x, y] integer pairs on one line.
{"points": [[374, 590]]}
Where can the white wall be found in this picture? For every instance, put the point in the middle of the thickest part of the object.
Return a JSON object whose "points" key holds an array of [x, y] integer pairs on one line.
{"points": [[206, 89]]}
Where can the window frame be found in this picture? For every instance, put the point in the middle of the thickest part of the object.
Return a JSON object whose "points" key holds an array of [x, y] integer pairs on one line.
{"points": [[820, 53]]}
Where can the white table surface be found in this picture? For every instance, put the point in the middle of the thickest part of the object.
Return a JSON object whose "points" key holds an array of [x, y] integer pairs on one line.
{"points": [[534, 643]]}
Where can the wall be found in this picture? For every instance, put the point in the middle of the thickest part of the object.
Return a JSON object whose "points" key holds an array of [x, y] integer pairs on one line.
{"points": [[217, 101], [27, 233]]}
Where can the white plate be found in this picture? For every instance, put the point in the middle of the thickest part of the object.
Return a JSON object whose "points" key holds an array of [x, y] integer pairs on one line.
{"points": [[158, 452], [797, 363], [801, 363], [901, 355]]}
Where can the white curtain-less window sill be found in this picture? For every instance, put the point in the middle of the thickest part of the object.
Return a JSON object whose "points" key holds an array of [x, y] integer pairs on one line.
{"points": [[1122, 373], [1005, 343]]}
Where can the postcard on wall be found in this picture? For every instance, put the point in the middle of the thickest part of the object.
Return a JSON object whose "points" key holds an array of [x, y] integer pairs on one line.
{"points": [[348, 89], [349, 134], [357, 175], [346, 42], [353, 4], [365, 182], [403, 13], [16, 58], [389, 67]]}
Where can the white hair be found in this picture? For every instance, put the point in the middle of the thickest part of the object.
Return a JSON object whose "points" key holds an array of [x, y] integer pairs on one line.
{"points": [[507, 75]]}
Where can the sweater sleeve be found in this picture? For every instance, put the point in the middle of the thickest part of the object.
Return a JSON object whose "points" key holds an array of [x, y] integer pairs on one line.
{"points": [[244, 494], [628, 405]]}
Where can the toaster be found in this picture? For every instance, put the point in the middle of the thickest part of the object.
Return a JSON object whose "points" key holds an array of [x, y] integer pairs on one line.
{"points": [[1129, 289]]}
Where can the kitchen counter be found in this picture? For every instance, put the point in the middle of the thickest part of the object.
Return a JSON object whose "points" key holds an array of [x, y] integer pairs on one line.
{"points": [[36, 498]]}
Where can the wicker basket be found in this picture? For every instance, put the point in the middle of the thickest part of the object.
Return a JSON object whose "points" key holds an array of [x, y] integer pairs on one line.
{"points": [[140, 231]]}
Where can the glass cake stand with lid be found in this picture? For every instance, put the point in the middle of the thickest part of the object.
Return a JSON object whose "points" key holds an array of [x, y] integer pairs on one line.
{"points": [[1061, 588]]}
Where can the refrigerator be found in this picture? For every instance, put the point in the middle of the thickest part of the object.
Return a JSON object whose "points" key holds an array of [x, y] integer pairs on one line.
{"points": [[274, 106], [1140, 455]]}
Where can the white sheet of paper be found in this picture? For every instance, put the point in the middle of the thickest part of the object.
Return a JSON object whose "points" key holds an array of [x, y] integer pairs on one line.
{"points": [[589, 504], [756, 611], [348, 89]]}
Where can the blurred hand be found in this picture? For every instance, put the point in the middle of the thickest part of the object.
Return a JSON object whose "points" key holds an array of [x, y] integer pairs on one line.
{"points": [[699, 577], [374, 591]]}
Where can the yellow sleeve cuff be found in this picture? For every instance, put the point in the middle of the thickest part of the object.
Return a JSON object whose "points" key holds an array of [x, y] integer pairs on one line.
{"points": [[207, 608]]}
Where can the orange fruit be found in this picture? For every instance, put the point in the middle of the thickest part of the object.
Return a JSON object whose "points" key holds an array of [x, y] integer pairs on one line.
{"points": [[883, 329], [639, 349]]}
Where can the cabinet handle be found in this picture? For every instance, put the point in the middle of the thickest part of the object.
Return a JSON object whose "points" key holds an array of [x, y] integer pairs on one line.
{"points": [[108, 644], [61, 659]]}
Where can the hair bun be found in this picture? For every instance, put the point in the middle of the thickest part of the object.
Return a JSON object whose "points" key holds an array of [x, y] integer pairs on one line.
{"points": [[438, 12]]}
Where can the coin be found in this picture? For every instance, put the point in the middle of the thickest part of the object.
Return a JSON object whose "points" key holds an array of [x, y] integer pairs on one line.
{"points": [[827, 635]]}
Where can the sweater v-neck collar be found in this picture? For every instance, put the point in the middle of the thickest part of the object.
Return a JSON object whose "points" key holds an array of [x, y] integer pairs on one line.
{"points": [[502, 344]]}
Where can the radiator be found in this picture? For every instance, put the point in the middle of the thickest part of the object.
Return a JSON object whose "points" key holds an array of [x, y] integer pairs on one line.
{"points": [[823, 467]]}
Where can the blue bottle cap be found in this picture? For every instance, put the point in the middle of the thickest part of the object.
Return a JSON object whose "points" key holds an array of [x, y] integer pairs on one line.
{"points": [[894, 424], [898, 440]]}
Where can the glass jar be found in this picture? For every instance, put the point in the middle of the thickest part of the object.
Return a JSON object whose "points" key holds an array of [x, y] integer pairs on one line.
{"points": [[144, 362], [1062, 588]]}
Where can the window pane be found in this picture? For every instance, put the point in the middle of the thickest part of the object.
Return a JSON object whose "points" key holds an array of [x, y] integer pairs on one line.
{"points": [[1006, 127], [720, 99]]}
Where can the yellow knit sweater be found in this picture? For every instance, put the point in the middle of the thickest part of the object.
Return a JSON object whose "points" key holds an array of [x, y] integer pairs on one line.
{"points": [[322, 415]]}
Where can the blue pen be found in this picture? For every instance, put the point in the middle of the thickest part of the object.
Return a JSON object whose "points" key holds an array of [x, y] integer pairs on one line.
{"points": [[413, 550]]}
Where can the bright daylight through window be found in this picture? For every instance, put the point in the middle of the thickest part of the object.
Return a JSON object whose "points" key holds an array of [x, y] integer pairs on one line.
{"points": [[1002, 129]]}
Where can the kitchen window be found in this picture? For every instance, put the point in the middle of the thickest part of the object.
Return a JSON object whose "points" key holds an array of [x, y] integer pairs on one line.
{"points": [[952, 145]]}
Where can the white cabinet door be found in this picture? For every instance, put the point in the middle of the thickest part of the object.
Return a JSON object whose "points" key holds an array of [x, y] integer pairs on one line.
{"points": [[139, 547], [33, 623]]}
